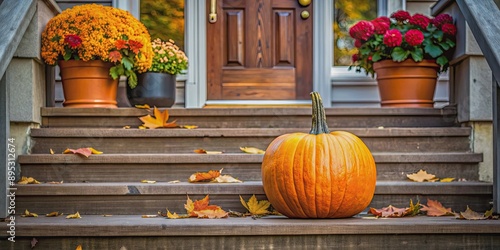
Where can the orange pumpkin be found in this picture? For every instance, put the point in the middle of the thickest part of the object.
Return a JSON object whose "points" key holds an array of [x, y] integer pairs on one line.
{"points": [[320, 174]]}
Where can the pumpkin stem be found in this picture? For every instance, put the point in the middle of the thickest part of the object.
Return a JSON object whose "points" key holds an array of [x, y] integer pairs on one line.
{"points": [[319, 125]]}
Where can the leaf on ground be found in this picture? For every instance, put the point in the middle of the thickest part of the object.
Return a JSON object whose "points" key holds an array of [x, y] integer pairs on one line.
{"points": [[204, 176], [82, 151], [469, 214], [189, 126], [79, 247], [236, 214], [414, 208], [389, 211], [148, 181], [51, 152], [227, 179], [255, 207], [53, 214], [160, 120], [145, 106], [203, 151], [421, 176], [28, 180], [200, 209], [126, 127], [435, 208], [172, 216], [252, 150], [149, 216], [141, 127], [212, 213], [174, 181], [55, 182], [33, 242], [28, 214], [448, 179], [74, 216]]}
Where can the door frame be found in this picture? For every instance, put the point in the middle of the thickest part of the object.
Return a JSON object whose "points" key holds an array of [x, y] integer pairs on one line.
{"points": [[196, 36]]}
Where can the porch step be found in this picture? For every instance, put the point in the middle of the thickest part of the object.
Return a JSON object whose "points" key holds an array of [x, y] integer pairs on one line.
{"points": [[359, 232], [246, 167], [140, 198], [254, 118], [229, 140]]}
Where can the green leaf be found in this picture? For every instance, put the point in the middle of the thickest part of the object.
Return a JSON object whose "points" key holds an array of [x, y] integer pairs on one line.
{"points": [[399, 54], [127, 63], [417, 54], [442, 60], [376, 56], [433, 50], [445, 46], [450, 42], [67, 56], [438, 34], [132, 80], [365, 50], [113, 72]]}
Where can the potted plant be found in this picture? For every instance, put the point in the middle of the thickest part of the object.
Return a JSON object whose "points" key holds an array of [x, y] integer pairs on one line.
{"points": [[407, 52], [94, 45], [157, 86]]}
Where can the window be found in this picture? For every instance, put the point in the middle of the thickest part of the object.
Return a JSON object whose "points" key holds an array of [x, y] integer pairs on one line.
{"points": [[164, 19]]}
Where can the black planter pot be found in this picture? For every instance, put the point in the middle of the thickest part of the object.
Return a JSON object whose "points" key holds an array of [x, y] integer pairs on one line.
{"points": [[154, 89]]}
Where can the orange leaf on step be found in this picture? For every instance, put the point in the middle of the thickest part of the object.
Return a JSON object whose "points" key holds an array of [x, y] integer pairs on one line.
{"points": [[421, 176], [145, 106], [82, 151], [204, 176], [389, 211], [435, 208], [469, 214], [203, 151], [194, 208], [158, 121], [212, 214]]}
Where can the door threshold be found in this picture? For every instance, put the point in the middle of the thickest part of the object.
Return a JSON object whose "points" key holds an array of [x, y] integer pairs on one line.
{"points": [[258, 104]]}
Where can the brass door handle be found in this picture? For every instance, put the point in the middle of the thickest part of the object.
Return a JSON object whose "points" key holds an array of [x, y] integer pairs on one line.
{"points": [[212, 17]]}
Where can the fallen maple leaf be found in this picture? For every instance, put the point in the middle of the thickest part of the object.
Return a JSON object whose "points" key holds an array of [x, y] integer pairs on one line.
{"points": [[252, 150], [158, 121], [79, 247], [148, 181], [198, 209], [142, 127], [227, 179], [421, 176], [212, 214], [51, 152], [145, 106], [435, 208], [389, 211], [53, 214], [203, 151], [189, 126], [33, 242], [74, 216], [55, 182], [255, 207], [28, 214], [469, 214], [28, 180], [414, 209], [82, 151], [449, 179], [172, 216], [205, 176], [126, 127]]}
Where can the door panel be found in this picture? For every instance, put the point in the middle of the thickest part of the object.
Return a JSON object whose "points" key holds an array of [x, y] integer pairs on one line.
{"points": [[259, 50]]}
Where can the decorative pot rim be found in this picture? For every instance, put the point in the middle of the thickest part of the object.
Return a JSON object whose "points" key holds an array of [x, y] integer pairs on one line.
{"points": [[406, 63]]}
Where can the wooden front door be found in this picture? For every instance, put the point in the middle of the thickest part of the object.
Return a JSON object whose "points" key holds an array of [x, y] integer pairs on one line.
{"points": [[259, 50]]}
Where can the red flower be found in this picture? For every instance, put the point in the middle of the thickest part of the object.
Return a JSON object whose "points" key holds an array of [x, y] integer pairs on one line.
{"points": [[393, 38], [401, 15], [382, 19], [358, 43], [420, 20], [441, 19], [380, 26], [362, 30], [449, 29], [135, 46], [74, 41], [414, 37], [121, 44], [355, 57], [115, 56]]}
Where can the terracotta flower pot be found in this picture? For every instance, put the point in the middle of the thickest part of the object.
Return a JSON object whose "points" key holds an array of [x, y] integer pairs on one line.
{"points": [[154, 89], [88, 84], [407, 83]]}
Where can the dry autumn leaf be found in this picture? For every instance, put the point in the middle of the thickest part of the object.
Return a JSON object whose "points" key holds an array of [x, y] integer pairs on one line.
{"points": [[227, 179], [435, 208], [126, 127], [212, 214], [74, 216], [79, 247], [414, 209], [55, 182], [145, 106], [189, 126], [470, 214], [172, 216], [255, 207], [202, 209], [174, 181], [252, 150], [141, 127], [149, 216], [421, 176], [27, 180], [449, 179], [148, 181], [389, 211], [158, 121], [204, 176], [28, 214], [203, 151], [82, 151], [51, 151], [53, 214], [33, 242]]}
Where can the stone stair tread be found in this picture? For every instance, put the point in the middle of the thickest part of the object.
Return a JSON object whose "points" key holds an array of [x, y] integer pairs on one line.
{"points": [[380, 157], [247, 187], [244, 132], [135, 225]]}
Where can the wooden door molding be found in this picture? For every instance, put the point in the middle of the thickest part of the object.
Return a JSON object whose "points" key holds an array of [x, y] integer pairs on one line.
{"points": [[259, 50]]}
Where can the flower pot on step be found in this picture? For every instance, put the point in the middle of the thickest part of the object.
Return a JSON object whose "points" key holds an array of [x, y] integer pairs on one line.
{"points": [[154, 89]]}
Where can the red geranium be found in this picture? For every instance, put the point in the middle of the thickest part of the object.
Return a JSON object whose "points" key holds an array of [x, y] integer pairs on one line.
{"points": [[362, 30], [393, 38], [381, 26], [414, 37], [420, 20], [73, 41], [401, 15], [449, 29], [441, 19]]}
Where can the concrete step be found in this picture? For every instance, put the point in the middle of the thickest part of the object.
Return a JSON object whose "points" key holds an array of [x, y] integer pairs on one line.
{"points": [[168, 167], [229, 140], [140, 198], [254, 117], [276, 232]]}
